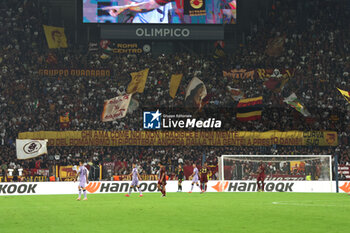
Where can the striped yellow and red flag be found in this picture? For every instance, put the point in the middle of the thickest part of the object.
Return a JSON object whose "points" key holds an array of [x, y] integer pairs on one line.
{"points": [[249, 109], [346, 94]]}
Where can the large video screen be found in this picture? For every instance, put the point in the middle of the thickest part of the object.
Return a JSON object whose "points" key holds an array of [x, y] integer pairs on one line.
{"points": [[160, 11]]}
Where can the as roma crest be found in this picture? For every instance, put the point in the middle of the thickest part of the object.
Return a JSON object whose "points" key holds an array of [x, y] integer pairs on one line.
{"points": [[330, 138], [196, 4], [194, 7]]}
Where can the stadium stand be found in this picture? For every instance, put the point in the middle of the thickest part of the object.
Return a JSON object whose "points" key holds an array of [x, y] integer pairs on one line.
{"points": [[316, 48]]}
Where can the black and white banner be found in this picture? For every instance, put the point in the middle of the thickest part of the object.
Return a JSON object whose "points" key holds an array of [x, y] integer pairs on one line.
{"points": [[27, 148]]}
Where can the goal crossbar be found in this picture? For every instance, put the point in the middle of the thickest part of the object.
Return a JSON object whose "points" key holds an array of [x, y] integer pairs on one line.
{"points": [[277, 156]]}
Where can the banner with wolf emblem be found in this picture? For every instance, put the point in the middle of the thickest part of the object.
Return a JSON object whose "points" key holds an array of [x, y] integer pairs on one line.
{"points": [[27, 148]]}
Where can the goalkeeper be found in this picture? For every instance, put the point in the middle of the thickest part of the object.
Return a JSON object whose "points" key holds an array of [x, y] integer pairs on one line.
{"points": [[261, 177]]}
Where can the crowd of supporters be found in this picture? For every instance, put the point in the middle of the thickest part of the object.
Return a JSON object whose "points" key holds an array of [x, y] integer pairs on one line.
{"points": [[148, 157], [317, 40]]}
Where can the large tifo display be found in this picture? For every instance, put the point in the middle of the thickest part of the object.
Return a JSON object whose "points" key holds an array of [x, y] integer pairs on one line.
{"points": [[48, 188], [160, 11]]}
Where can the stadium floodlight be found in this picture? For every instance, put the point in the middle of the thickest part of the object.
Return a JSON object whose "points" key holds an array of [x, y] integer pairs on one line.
{"points": [[277, 168]]}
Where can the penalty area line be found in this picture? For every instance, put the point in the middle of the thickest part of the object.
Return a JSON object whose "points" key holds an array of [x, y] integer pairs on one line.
{"points": [[306, 204]]}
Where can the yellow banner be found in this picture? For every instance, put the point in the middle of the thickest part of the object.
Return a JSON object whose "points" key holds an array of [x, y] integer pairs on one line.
{"points": [[64, 72], [239, 74], [55, 37], [138, 81], [275, 73], [183, 138], [174, 84], [67, 172]]}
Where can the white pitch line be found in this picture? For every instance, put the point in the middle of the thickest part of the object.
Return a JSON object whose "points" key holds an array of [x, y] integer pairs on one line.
{"points": [[306, 204]]}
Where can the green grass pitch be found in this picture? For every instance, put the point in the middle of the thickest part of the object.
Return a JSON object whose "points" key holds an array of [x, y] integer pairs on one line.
{"points": [[178, 212]]}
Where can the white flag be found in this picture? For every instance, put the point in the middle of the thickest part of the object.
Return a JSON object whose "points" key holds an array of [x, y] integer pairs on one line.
{"points": [[236, 94], [294, 102], [28, 148], [195, 93], [116, 108]]}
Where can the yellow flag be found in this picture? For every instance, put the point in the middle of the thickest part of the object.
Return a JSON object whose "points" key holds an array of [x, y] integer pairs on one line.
{"points": [[138, 81], [64, 119], [346, 94], [55, 37], [174, 84]]}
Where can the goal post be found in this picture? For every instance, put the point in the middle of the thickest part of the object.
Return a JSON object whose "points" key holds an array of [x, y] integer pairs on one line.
{"points": [[305, 171]]}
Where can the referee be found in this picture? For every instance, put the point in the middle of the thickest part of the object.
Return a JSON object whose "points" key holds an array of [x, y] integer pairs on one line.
{"points": [[180, 177]]}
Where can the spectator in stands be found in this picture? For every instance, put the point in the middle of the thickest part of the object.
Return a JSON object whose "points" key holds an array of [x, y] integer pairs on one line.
{"points": [[342, 176]]}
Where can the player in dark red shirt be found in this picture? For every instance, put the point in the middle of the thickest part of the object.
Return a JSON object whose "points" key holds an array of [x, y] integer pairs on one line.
{"points": [[204, 177], [162, 180], [261, 177]]}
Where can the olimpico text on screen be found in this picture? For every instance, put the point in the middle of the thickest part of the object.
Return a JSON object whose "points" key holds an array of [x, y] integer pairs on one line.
{"points": [[163, 32]]}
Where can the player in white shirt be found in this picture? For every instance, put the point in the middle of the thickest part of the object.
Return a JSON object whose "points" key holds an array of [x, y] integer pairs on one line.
{"points": [[195, 177]]}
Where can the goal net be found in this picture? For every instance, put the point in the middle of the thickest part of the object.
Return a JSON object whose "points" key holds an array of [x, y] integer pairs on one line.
{"points": [[277, 168]]}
